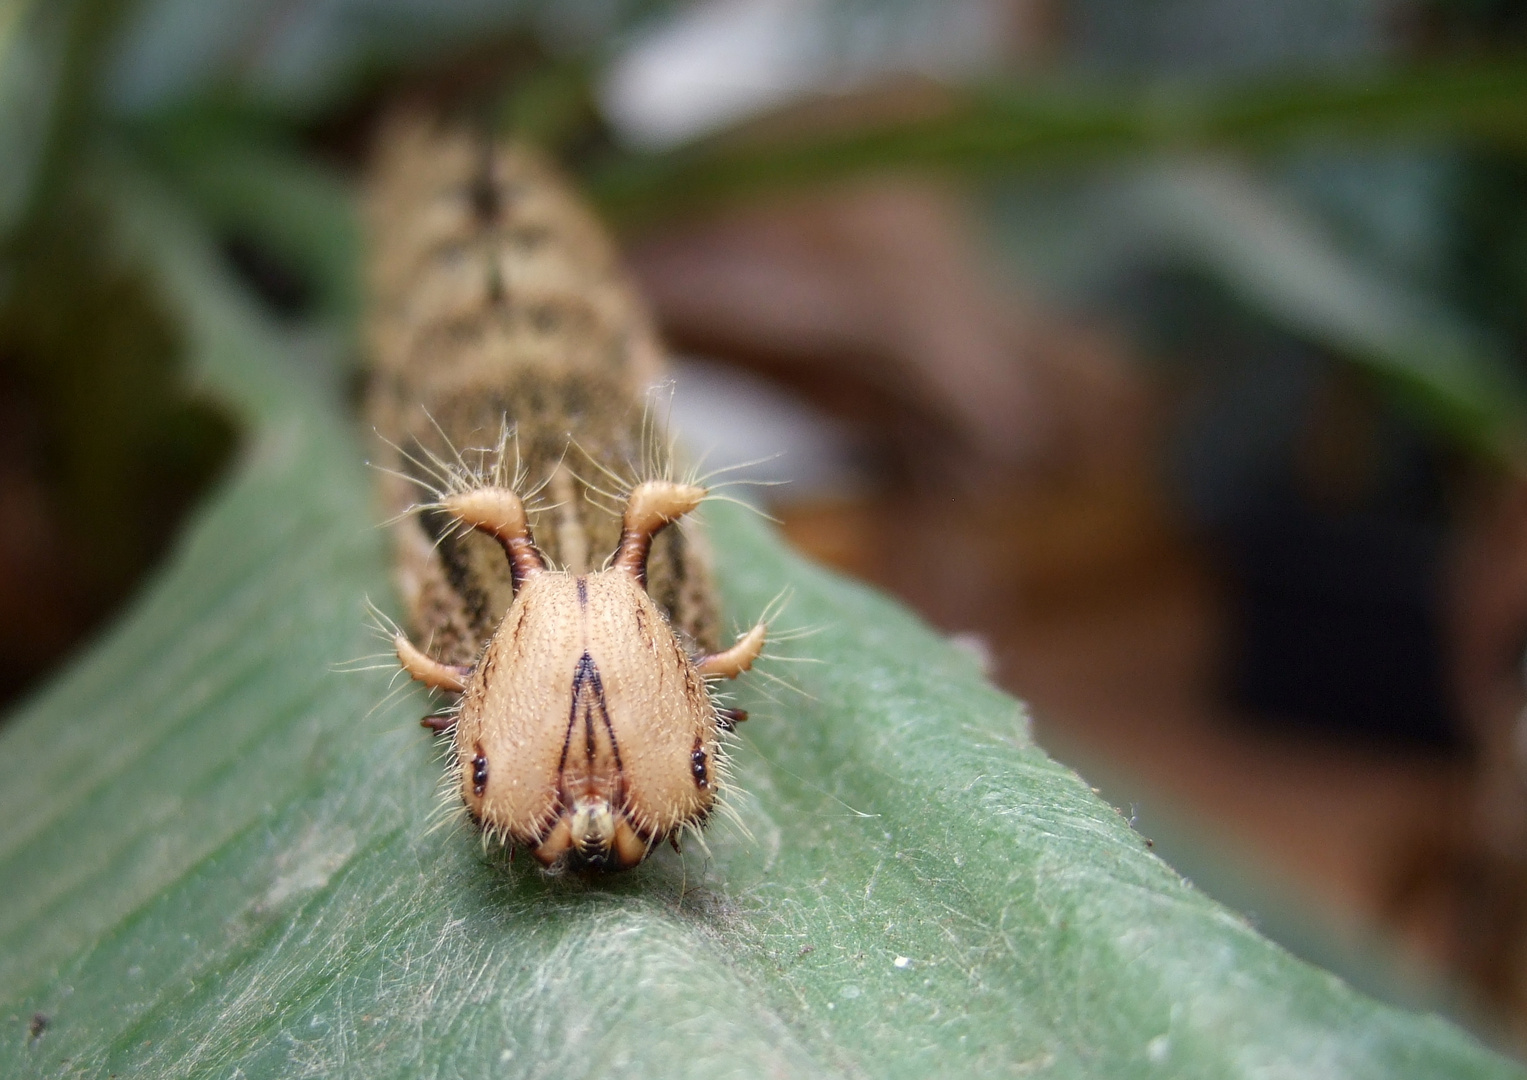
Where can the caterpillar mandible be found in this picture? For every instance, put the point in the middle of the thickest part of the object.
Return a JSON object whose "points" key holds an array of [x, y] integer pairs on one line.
{"points": [[511, 366]]}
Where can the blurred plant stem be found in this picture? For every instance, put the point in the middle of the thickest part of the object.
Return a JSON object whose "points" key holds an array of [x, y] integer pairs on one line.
{"points": [[1001, 127]]}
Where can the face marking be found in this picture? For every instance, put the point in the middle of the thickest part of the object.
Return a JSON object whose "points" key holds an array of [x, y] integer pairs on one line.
{"points": [[583, 592], [588, 695]]}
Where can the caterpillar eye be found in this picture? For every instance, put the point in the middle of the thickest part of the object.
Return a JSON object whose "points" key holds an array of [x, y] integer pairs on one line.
{"points": [[479, 773]]}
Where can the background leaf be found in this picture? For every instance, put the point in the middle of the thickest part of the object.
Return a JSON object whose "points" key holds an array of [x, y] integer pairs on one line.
{"points": [[215, 856], [1285, 262]]}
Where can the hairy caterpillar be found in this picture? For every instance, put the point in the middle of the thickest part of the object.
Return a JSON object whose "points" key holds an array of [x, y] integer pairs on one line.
{"points": [[511, 362]]}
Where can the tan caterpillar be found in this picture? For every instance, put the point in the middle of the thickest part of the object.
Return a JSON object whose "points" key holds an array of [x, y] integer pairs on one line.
{"points": [[511, 362]]}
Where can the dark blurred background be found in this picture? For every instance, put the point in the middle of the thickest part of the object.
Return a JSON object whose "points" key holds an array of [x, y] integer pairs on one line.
{"points": [[1173, 356]]}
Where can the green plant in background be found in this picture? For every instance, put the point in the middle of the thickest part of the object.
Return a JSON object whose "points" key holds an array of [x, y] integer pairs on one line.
{"points": [[215, 854]]}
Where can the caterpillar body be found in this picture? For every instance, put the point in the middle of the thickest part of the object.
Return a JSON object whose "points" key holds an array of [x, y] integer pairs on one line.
{"points": [[511, 366]]}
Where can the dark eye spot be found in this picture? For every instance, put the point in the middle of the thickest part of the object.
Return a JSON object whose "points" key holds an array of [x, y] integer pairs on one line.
{"points": [[697, 766], [485, 197], [529, 237], [479, 772], [545, 318]]}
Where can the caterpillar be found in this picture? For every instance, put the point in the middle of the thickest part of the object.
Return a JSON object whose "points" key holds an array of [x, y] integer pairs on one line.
{"points": [[511, 365]]}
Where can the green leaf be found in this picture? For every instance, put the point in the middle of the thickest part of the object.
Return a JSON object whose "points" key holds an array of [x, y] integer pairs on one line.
{"points": [[216, 856], [50, 53], [32, 43]]}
